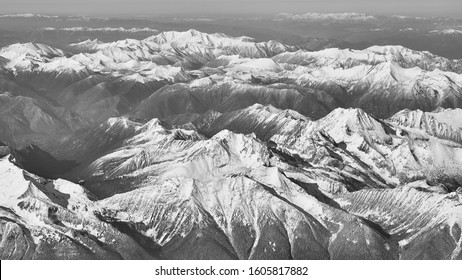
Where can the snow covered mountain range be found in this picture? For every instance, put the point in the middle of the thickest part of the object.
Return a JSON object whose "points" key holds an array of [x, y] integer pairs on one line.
{"points": [[189, 145]]}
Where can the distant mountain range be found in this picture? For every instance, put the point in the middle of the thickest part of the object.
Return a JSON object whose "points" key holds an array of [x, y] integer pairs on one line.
{"points": [[311, 31]]}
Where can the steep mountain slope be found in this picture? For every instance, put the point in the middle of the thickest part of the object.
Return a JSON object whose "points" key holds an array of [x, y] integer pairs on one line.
{"points": [[42, 219], [442, 123], [348, 58], [386, 88], [393, 151], [225, 96], [435, 217], [158, 167], [24, 121], [174, 184]]}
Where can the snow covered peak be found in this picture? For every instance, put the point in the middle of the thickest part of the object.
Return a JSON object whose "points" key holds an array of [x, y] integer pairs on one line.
{"points": [[263, 110], [36, 51], [120, 123], [126, 47], [437, 123], [347, 58], [87, 45], [396, 52], [341, 123], [216, 44], [194, 36]]}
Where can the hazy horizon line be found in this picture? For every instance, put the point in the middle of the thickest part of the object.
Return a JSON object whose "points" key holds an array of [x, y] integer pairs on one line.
{"points": [[215, 14]]}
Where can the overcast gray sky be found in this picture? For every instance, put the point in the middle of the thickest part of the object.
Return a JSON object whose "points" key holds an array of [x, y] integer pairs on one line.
{"points": [[143, 7]]}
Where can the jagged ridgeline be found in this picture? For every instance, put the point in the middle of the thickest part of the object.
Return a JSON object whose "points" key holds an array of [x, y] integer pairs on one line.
{"points": [[188, 145]]}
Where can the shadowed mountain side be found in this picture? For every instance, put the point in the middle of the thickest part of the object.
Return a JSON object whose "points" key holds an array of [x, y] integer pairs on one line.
{"points": [[39, 162]]}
